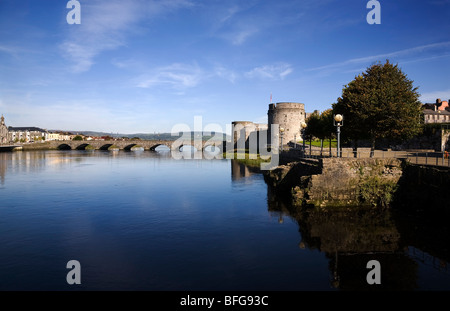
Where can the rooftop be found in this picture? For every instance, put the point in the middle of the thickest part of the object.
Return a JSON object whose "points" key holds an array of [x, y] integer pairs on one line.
{"points": [[23, 129]]}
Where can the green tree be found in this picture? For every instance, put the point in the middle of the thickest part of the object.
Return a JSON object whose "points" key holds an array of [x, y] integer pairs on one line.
{"points": [[380, 103], [78, 137], [313, 125], [320, 126], [326, 122]]}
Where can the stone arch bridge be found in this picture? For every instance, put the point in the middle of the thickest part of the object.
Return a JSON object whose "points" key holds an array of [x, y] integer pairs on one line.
{"points": [[129, 144]]}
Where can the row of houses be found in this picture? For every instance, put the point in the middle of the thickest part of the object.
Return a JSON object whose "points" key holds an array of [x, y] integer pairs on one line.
{"points": [[29, 134], [438, 112], [35, 134]]}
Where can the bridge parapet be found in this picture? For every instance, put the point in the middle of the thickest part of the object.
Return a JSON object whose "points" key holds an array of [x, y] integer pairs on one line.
{"points": [[128, 144]]}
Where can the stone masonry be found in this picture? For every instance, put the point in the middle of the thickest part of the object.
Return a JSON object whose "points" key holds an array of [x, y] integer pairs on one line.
{"points": [[288, 116]]}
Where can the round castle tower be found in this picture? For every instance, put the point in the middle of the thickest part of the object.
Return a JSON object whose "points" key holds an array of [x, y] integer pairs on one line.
{"points": [[288, 116], [242, 129]]}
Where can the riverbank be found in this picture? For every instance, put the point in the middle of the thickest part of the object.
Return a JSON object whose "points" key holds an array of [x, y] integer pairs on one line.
{"points": [[250, 159], [360, 182]]}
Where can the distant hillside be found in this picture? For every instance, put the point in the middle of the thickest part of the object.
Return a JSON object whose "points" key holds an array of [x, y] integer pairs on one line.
{"points": [[145, 136]]}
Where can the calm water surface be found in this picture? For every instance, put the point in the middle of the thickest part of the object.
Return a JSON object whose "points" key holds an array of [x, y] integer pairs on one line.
{"points": [[144, 221]]}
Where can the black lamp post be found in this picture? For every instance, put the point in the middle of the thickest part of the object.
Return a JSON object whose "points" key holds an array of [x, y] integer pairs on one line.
{"points": [[338, 122], [303, 126]]}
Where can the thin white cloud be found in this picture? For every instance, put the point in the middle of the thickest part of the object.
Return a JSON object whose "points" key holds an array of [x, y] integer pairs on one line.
{"points": [[9, 50], [235, 23], [229, 13], [225, 73], [271, 72], [441, 46], [95, 114], [15, 51], [177, 76], [430, 97], [239, 37], [105, 26]]}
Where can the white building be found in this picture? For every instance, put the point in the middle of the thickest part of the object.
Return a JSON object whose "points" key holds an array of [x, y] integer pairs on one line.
{"points": [[27, 134]]}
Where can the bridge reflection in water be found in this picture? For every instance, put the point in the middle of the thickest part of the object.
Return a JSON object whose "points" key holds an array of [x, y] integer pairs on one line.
{"points": [[350, 238]]}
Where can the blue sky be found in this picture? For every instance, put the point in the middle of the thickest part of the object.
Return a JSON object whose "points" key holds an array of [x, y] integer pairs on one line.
{"points": [[142, 66]]}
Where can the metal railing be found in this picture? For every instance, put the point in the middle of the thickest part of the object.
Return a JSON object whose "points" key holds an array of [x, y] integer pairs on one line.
{"points": [[429, 158], [420, 157]]}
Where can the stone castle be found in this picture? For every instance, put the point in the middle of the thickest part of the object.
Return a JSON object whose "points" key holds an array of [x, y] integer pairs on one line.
{"points": [[287, 115]]}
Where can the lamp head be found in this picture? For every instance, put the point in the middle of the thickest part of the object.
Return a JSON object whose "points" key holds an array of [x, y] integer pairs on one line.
{"points": [[338, 118]]}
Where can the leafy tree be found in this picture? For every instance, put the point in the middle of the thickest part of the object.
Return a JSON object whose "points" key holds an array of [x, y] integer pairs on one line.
{"points": [[313, 125], [320, 126], [326, 122], [380, 103], [78, 137]]}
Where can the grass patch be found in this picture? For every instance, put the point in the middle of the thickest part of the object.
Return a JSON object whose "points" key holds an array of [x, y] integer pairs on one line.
{"points": [[249, 158], [316, 143]]}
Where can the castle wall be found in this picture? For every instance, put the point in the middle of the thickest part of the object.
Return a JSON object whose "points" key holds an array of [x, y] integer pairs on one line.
{"points": [[242, 129], [288, 116]]}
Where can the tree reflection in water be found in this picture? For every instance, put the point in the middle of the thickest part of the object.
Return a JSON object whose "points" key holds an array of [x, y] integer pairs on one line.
{"points": [[351, 237]]}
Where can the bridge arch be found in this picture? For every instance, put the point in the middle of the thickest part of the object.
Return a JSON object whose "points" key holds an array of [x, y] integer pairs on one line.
{"points": [[189, 148], [107, 147], [64, 147], [84, 147], [211, 148], [153, 148], [132, 147]]}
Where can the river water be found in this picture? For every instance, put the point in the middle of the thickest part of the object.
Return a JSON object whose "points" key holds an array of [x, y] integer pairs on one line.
{"points": [[145, 221]]}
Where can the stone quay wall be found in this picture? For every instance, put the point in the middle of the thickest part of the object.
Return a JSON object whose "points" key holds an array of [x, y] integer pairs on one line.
{"points": [[338, 181], [426, 187], [387, 182]]}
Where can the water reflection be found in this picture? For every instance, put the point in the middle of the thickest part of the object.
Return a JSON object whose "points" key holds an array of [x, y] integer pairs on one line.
{"points": [[35, 161], [241, 171], [350, 238], [3, 166], [196, 223]]}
